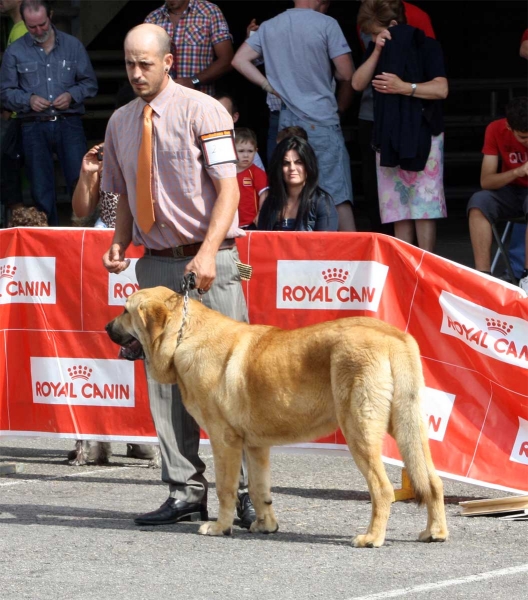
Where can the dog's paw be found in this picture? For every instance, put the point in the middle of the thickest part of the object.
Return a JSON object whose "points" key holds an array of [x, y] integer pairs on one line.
{"points": [[155, 463], [72, 455], [78, 461], [367, 541], [265, 525], [213, 528], [428, 536]]}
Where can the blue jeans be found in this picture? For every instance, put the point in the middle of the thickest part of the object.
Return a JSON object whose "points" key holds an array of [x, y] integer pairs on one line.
{"points": [[40, 140], [517, 249], [273, 130]]}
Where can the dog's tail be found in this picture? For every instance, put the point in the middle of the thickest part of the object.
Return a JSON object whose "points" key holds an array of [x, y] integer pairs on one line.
{"points": [[407, 424]]}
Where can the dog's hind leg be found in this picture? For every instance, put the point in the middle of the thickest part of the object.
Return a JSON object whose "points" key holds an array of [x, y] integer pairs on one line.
{"points": [[410, 433], [363, 412], [227, 463], [367, 454], [428, 487], [258, 461]]}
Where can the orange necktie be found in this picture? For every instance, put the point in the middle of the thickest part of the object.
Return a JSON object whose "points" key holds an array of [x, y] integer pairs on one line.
{"points": [[145, 209]]}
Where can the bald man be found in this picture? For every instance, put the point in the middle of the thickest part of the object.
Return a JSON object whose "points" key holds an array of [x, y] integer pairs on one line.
{"points": [[195, 200]]}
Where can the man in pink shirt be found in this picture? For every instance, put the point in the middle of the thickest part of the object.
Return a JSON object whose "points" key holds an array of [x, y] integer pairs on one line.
{"points": [[195, 199]]}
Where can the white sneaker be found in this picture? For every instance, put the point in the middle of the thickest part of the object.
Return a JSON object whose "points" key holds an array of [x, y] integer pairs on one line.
{"points": [[523, 284]]}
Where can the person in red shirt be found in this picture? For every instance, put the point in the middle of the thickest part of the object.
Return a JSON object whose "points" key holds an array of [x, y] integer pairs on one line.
{"points": [[252, 180], [504, 182]]}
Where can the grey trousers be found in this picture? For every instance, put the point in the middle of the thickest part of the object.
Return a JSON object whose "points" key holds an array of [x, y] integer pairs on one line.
{"points": [[178, 432]]}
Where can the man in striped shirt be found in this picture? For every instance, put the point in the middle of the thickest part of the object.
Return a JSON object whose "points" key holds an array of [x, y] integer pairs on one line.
{"points": [[195, 201], [201, 44]]}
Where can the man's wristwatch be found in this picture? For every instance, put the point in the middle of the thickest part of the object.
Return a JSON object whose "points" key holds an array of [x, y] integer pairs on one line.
{"points": [[195, 81], [413, 88]]}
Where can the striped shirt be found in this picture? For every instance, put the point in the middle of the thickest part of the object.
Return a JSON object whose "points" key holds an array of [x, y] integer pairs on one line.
{"points": [[182, 188], [201, 27]]}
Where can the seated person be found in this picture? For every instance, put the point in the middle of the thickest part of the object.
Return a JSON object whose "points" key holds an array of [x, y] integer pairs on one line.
{"points": [[229, 103], [504, 193], [252, 181], [293, 130], [295, 201]]}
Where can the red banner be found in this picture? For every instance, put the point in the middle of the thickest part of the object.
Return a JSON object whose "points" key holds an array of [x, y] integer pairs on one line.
{"points": [[60, 376]]}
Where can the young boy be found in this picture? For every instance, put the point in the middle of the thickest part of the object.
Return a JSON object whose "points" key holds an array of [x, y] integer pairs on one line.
{"points": [[252, 180], [504, 186]]}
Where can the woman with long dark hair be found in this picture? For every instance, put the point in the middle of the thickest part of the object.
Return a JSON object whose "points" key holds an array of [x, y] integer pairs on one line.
{"points": [[295, 201]]}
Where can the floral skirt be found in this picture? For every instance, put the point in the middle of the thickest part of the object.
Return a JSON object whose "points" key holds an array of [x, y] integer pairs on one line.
{"points": [[405, 195]]}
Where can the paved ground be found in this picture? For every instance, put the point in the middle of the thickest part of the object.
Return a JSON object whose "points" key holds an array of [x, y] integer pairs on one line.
{"points": [[67, 532]]}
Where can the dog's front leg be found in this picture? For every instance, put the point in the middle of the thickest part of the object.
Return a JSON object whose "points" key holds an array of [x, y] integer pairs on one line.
{"points": [[227, 462], [258, 461]]}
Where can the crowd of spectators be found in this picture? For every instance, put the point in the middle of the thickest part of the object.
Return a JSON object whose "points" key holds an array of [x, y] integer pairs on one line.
{"points": [[302, 60]]}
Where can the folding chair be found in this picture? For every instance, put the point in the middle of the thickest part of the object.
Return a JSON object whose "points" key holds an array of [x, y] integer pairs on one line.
{"points": [[501, 249]]}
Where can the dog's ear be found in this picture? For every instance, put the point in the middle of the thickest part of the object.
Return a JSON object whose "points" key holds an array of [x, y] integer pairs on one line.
{"points": [[154, 315]]}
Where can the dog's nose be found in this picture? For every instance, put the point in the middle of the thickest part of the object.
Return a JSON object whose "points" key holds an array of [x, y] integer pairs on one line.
{"points": [[108, 326]]}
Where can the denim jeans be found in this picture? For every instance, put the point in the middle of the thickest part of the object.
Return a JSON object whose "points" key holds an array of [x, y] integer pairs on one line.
{"points": [[40, 140], [516, 249], [273, 130]]}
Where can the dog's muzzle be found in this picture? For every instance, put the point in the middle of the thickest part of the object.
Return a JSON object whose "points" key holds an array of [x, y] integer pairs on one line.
{"points": [[131, 349]]}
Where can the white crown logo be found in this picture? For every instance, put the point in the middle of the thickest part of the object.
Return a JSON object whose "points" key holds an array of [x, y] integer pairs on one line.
{"points": [[7, 271], [80, 372], [498, 325], [335, 274]]}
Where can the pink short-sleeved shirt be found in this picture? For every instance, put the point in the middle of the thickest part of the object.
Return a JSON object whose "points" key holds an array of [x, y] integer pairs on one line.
{"points": [[182, 186]]}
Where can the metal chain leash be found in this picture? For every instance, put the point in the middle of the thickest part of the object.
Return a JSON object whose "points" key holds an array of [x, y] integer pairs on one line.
{"points": [[188, 283]]}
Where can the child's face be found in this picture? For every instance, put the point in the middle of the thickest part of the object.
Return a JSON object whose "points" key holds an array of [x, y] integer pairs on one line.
{"points": [[246, 153]]}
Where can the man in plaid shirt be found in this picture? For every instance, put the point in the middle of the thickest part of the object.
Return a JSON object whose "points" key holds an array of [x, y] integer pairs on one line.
{"points": [[200, 42]]}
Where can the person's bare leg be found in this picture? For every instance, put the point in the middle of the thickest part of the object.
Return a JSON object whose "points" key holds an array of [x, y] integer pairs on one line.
{"points": [[481, 237], [404, 230], [426, 234], [346, 217]]}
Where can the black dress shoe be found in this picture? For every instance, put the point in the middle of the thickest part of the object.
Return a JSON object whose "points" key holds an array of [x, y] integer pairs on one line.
{"points": [[173, 511], [246, 511]]}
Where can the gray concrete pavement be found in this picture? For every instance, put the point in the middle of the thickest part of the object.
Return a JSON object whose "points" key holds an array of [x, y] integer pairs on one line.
{"points": [[67, 532]]}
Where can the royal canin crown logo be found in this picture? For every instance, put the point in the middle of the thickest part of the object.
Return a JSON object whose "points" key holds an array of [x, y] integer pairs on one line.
{"points": [[7, 271], [335, 274], [80, 372], [336, 284], [82, 381], [498, 325], [503, 337]]}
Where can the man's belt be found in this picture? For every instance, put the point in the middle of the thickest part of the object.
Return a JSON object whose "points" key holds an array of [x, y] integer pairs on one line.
{"points": [[186, 250], [47, 118]]}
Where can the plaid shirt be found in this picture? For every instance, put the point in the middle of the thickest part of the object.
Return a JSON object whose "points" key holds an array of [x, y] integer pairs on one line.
{"points": [[201, 27]]}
